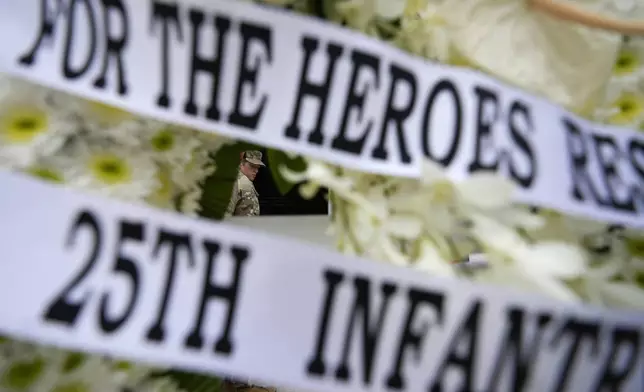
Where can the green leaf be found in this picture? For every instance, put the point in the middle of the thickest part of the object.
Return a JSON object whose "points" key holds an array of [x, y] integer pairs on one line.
{"points": [[218, 187], [277, 159], [195, 382]]}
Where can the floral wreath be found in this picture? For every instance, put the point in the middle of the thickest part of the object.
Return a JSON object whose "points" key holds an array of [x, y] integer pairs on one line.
{"points": [[423, 224]]}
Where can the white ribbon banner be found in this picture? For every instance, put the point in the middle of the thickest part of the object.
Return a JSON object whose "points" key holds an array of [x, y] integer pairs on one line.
{"points": [[97, 275], [295, 83]]}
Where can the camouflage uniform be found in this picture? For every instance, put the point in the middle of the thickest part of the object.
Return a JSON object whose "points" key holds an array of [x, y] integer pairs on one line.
{"points": [[244, 200]]}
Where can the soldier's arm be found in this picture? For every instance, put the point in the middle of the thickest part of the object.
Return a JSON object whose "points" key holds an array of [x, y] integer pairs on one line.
{"points": [[248, 205], [234, 199]]}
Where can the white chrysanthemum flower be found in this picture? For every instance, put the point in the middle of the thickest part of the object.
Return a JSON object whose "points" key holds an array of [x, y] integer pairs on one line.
{"points": [[105, 122], [198, 168], [169, 144], [30, 128], [114, 172], [189, 203], [625, 109], [628, 71]]}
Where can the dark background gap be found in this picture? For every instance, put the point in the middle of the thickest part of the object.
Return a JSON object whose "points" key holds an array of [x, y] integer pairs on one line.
{"points": [[271, 202]]}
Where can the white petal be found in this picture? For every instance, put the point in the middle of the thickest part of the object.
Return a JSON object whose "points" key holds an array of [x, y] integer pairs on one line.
{"points": [[440, 218], [391, 252], [555, 289], [608, 270], [292, 176], [486, 190], [555, 259], [519, 217], [404, 226], [432, 262], [431, 172], [361, 225], [390, 9], [508, 276], [623, 295], [496, 235], [320, 172], [309, 190], [566, 62]]}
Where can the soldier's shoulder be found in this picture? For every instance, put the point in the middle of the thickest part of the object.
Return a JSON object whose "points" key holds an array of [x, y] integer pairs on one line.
{"points": [[244, 184]]}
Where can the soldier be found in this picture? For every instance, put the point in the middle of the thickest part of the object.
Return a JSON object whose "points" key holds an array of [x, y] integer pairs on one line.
{"points": [[244, 200]]}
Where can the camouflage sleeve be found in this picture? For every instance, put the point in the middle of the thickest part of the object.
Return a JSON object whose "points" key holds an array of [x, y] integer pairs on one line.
{"points": [[234, 198], [248, 204]]}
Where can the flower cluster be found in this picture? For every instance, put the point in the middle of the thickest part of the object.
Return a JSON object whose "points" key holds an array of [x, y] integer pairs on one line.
{"points": [[26, 367], [100, 149], [434, 223], [624, 102], [93, 147], [428, 224]]}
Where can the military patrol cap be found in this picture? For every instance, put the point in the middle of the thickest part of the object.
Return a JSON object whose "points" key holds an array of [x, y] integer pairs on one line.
{"points": [[254, 157]]}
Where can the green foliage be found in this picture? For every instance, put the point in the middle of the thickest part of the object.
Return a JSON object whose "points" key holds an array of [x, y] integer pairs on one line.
{"points": [[193, 382], [277, 159], [219, 186]]}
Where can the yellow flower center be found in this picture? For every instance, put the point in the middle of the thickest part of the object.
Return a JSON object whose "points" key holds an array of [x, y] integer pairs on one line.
{"points": [[22, 125], [46, 174], [108, 115], [163, 140], [72, 362], [635, 246], [626, 63], [630, 106], [110, 169]]}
